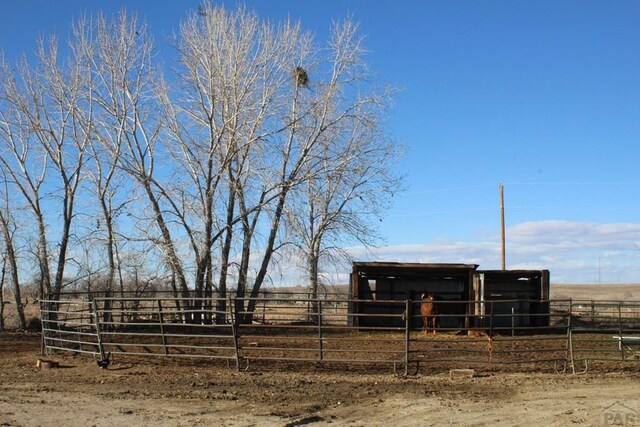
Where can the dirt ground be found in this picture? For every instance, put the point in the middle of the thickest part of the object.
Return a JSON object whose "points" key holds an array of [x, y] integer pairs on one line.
{"points": [[167, 392]]}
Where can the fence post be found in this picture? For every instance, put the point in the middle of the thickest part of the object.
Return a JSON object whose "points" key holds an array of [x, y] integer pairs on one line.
{"points": [[490, 338], [513, 322], [407, 334], [620, 329], [234, 329], [161, 319], [491, 319], [45, 326], [81, 321], [570, 336], [93, 311]]}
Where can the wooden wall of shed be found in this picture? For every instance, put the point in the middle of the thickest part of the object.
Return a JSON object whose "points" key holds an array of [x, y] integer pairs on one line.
{"points": [[447, 285], [374, 286], [531, 289]]}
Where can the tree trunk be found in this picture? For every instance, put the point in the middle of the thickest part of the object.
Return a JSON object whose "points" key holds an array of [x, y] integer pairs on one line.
{"points": [[13, 267], [4, 270], [208, 292], [62, 255], [174, 289], [111, 273], [221, 305], [313, 259], [22, 322], [121, 282], [169, 250], [244, 266], [266, 260], [248, 228], [43, 259]]}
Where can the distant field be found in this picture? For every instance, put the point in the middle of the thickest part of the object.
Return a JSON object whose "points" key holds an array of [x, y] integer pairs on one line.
{"points": [[616, 292], [629, 292], [558, 291]]}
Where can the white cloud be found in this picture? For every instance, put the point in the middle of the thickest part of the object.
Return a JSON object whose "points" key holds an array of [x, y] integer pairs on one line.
{"points": [[571, 235], [574, 252]]}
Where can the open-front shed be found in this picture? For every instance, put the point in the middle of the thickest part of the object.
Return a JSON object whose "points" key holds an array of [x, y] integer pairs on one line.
{"points": [[380, 282], [466, 297], [518, 298]]}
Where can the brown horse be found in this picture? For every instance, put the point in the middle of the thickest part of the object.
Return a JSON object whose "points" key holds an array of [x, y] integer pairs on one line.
{"points": [[429, 312]]}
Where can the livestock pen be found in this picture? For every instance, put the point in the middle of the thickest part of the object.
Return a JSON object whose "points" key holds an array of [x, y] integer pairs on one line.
{"points": [[293, 331]]}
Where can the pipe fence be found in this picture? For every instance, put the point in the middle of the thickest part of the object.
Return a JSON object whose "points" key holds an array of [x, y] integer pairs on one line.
{"points": [[288, 329], [604, 331], [494, 335], [318, 331], [69, 326]]}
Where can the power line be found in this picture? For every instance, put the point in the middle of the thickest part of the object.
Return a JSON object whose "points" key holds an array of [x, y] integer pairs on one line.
{"points": [[439, 212], [443, 190], [507, 207], [533, 183], [575, 183], [586, 208]]}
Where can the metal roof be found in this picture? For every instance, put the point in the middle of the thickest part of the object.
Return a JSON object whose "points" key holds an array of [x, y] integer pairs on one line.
{"points": [[405, 265]]}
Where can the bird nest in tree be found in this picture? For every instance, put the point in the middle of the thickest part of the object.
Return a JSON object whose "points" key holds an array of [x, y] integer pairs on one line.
{"points": [[301, 77]]}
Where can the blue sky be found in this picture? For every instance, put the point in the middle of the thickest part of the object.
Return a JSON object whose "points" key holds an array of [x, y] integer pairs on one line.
{"points": [[542, 96]]}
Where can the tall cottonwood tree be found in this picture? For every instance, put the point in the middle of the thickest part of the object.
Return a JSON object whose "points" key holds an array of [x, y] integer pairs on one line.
{"points": [[24, 163], [104, 180], [260, 123], [250, 129], [125, 88], [233, 87], [335, 108], [256, 103], [343, 204], [10, 259], [47, 110]]}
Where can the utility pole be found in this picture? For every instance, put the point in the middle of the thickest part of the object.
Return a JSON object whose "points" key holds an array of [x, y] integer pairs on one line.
{"points": [[502, 226]]}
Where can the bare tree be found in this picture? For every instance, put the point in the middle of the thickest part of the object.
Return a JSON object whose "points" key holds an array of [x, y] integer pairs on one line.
{"points": [[234, 73], [24, 162], [336, 106], [259, 126], [105, 182], [7, 230], [66, 132], [48, 107], [125, 88], [344, 202], [257, 101]]}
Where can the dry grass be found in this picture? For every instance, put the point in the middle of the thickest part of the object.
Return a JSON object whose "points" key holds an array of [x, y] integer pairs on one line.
{"points": [[601, 292]]}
